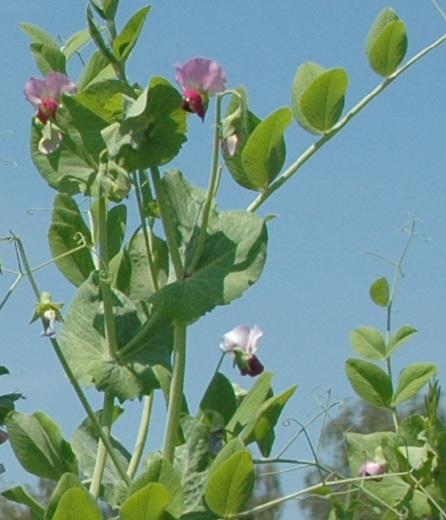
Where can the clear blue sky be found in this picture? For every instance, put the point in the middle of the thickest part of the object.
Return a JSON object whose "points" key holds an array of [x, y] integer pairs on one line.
{"points": [[352, 197]]}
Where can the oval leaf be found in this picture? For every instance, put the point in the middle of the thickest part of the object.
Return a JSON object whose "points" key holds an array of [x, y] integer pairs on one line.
{"points": [[369, 343], [149, 503], [126, 40], [411, 380], [306, 74], [77, 503], [379, 292], [386, 43], [264, 153], [231, 484], [400, 337], [370, 382], [323, 101]]}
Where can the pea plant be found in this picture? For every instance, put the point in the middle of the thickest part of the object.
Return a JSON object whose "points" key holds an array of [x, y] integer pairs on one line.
{"points": [[104, 143]]}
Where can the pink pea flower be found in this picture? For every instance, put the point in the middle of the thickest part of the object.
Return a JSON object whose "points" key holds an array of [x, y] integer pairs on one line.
{"points": [[45, 94], [241, 342], [372, 469], [199, 79]]}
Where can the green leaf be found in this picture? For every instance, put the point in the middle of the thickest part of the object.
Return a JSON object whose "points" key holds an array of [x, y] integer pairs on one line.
{"points": [[386, 43], [369, 343], [116, 227], [77, 503], [66, 232], [321, 104], [317, 96], [242, 122], [19, 495], [98, 68], [85, 444], [133, 274], [379, 292], [38, 35], [261, 429], [370, 382], [232, 260], [83, 342], [219, 397], [67, 169], [399, 338], [233, 446], [76, 42], [39, 446], [158, 469], [48, 58], [66, 481], [231, 484], [253, 400], [411, 380], [126, 40], [152, 131], [149, 503], [110, 8], [96, 36], [264, 153]]}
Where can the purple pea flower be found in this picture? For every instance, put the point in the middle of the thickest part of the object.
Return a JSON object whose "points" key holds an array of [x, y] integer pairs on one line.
{"points": [[199, 79], [241, 342], [372, 469], [45, 93]]}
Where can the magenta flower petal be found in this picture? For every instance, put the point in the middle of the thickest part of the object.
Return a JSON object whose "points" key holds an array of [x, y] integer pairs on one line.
{"points": [[56, 84], [34, 90], [201, 74]]}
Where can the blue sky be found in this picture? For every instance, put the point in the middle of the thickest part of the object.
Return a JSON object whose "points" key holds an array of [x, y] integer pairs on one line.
{"points": [[354, 196]]}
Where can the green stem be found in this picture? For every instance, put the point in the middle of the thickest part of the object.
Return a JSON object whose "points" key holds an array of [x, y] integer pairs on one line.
{"points": [[11, 290], [213, 180], [167, 222], [104, 279], [101, 454], [311, 150], [141, 438], [74, 383], [176, 390], [310, 489], [147, 242]]}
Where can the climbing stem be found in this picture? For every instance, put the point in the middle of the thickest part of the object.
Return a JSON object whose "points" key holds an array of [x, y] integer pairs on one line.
{"points": [[141, 438]]}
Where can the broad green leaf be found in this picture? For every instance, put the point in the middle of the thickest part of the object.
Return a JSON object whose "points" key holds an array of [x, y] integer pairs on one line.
{"points": [[66, 170], [305, 75], [85, 442], [116, 227], [66, 481], [67, 231], [75, 504], [233, 446], [126, 40], [379, 292], [39, 445], [219, 397], [231, 484], [323, 101], [411, 380], [110, 8], [158, 469], [232, 260], [264, 153], [251, 403], [20, 495], [369, 343], [400, 337], [192, 462], [38, 35], [370, 382], [242, 122], [386, 42], [98, 68], [152, 131], [76, 42], [149, 503], [48, 58], [84, 345], [133, 275], [261, 428]]}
